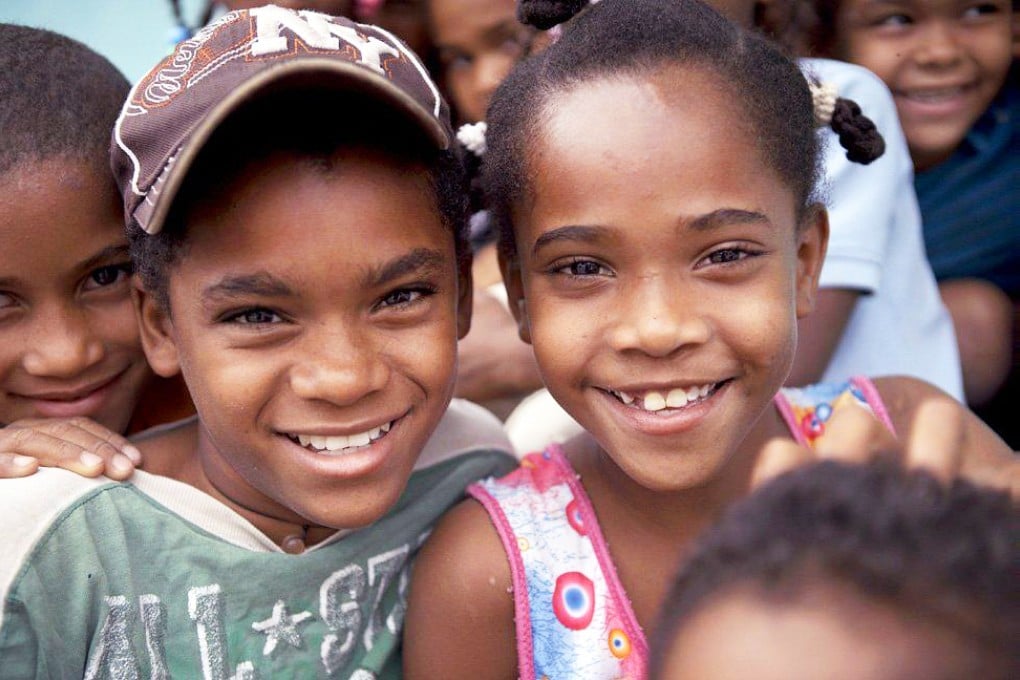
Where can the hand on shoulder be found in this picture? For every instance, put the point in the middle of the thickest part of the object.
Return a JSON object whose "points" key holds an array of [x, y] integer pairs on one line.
{"points": [[79, 445]]}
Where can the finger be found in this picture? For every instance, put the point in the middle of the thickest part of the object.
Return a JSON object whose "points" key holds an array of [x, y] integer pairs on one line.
{"points": [[14, 465], [936, 439], [854, 435], [108, 437], [779, 455], [51, 451], [84, 434]]}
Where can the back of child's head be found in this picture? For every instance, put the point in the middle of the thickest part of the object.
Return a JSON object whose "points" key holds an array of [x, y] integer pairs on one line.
{"points": [[919, 574], [615, 39], [58, 98]]}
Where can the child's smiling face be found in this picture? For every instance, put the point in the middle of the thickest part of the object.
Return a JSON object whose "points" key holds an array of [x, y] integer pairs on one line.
{"points": [[315, 320], [69, 342], [662, 272], [944, 61]]}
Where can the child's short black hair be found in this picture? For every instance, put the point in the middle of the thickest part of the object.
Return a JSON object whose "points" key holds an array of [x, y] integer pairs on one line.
{"points": [[948, 555], [310, 124], [634, 38], [58, 98]]}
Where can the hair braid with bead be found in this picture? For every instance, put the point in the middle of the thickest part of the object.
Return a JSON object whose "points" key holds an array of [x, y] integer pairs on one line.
{"points": [[857, 133]]}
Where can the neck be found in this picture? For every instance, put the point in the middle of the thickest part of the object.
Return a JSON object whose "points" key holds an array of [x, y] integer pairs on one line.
{"points": [[188, 455]]}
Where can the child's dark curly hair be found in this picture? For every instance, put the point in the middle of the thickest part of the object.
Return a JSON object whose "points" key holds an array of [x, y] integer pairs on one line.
{"points": [[58, 98], [310, 124], [950, 556], [633, 38]]}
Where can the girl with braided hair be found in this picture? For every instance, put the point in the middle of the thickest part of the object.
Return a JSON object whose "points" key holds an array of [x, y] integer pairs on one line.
{"points": [[652, 176], [878, 310]]}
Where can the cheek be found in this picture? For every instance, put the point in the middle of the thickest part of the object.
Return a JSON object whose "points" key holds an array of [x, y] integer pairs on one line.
{"points": [[119, 327]]}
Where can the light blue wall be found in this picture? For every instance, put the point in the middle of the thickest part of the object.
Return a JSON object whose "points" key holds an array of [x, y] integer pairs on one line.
{"points": [[133, 34]]}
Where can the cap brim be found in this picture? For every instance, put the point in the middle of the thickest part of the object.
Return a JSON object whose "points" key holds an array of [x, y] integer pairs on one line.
{"points": [[329, 75]]}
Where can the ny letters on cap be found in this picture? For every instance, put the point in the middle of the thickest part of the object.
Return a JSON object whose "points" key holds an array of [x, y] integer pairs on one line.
{"points": [[173, 110]]}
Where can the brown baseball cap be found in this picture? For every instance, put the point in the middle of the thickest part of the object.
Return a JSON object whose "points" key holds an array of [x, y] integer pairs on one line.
{"points": [[173, 110]]}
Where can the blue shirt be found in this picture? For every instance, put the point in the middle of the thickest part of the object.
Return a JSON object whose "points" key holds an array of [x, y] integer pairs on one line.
{"points": [[970, 203]]}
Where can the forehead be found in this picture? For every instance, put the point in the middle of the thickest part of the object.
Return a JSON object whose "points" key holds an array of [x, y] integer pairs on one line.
{"points": [[825, 630], [460, 19], [309, 216], [674, 136], [56, 213]]}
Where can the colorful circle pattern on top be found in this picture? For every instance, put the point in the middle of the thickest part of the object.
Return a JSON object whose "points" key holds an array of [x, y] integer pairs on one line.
{"points": [[572, 615]]}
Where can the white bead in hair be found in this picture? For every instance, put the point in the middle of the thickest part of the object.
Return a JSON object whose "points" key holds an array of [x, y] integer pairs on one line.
{"points": [[472, 136], [823, 98]]}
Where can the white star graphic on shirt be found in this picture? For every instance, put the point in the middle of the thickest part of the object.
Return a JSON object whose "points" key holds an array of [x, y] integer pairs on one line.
{"points": [[281, 626]]}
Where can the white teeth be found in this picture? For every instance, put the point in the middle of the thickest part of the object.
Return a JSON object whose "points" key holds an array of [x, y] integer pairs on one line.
{"points": [[654, 402], [337, 442], [341, 442], [677, 398]]}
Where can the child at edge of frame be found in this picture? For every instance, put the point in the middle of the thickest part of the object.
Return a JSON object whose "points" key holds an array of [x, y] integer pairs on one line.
{"points": [[883, 573], [295, 211]]}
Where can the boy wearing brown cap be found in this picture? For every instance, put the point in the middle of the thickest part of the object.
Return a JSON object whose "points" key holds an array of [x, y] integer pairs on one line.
{"points": [[295, 216]]}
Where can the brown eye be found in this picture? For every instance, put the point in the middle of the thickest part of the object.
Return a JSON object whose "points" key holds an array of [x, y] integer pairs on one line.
{"points": [[107, 276], [256, 316]]}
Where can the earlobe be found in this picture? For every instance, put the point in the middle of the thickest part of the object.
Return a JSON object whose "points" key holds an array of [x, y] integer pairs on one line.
{"points": [[510, 266], [156, 331], [812, 242]]}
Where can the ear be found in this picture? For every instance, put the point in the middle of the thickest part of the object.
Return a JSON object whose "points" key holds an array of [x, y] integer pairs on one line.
{"points": [[510, 266], [465, 296], [812, 241], [156, 331]]}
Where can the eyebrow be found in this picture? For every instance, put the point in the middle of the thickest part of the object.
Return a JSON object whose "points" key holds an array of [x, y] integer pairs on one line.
{"points": [[104, 256], [568, 233], [419, 260], [713, 220], [260, 284], [727, 216], [118, 252]]}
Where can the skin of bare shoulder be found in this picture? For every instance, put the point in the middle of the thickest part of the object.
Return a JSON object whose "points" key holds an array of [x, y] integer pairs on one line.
{"points": [[978, 453], [460, 610], [168, 450]]}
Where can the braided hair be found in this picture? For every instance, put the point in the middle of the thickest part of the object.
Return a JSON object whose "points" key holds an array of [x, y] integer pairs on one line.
{"points": [[857, 133]]}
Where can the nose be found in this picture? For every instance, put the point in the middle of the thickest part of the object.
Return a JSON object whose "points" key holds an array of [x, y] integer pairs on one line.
{"points": [[338, 367], [62, 344], [938, 45], [656, 318]]}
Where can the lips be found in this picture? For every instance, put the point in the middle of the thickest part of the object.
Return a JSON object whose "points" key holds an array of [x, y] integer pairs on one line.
{"points": [[69, 395], [81, 400]]}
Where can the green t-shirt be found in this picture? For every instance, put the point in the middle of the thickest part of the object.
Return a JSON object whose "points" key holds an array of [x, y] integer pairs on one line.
{"points": [[155, 579]]}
